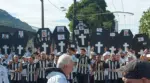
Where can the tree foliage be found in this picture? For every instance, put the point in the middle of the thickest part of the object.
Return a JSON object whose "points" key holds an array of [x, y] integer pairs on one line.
{"points": [[90, 11], [145, 23]]}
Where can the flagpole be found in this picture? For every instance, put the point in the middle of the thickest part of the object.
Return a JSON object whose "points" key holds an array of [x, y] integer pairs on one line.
{"points": [[42, 13], [74, 21]]}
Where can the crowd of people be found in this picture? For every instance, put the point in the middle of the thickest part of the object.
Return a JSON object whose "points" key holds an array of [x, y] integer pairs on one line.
{"points": [[73, 67]]}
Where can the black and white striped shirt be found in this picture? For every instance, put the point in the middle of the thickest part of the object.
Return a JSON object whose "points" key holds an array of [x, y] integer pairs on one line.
{"points": [[43, 64], [51, 64], [31, 72], [112, 75], [99, 68], [15, 76], [83, 65]]}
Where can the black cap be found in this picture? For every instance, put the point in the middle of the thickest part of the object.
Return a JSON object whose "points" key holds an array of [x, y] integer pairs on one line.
{"points": [[136, 69]]}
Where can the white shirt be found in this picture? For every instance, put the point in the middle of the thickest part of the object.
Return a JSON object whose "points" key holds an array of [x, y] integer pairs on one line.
{"points": [[3, 75], [56, 77]]}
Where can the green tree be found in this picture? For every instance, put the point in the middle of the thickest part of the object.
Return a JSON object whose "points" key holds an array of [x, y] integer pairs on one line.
{"points": [[90, 11], [145, 23]]}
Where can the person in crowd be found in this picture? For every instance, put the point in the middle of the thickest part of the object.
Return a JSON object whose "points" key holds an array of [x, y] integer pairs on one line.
{"points": [[56, 58], [51, 57], [43, 63], [113, 64], [106, 58], [83, 67], [137, 71], [31, 69], [98, 67], [93, 59], [119, 59], [64, 68], [123, 58], [15, 70], [24, 71], [72, 76], [37, 57], [3, 73], [51, 60]]}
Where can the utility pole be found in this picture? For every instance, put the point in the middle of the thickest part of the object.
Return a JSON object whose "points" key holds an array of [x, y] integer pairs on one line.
{"points": [[74, 20], [42, 13]]}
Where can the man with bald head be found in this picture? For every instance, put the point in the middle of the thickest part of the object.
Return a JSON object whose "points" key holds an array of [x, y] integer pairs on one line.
{"points": [[64, 68]]}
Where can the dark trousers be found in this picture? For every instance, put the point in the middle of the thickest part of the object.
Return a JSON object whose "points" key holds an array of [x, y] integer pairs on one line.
{"points": [[82, 78], [92, 79], [23, 79], [70, 81], [31, 82], [9, 78], [14, 81], [106, 79], [96, 81], [73, 80], [120, 80], [42, 80], [113, 81]]}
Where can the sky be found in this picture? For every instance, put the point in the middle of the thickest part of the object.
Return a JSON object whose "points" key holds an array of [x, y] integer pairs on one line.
{"points": [[29, 11]]}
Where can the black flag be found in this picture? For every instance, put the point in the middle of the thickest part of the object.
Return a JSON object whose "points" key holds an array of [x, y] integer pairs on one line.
{"points": [[113, 42], [82, 34], [43, 40], [125, 39], [140, 42], [20, 39], [99, 40], [61, 38], [5, 42]]}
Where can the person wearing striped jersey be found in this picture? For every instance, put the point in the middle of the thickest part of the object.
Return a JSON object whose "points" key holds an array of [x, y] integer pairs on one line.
{"points": [[31, 69], [113, 64], [43, 64], [120, 74], [24, 71], [15, 69], [56, 59], [98, 68], [51, 60], [106, 58], [83, 67], [93, 59]]}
